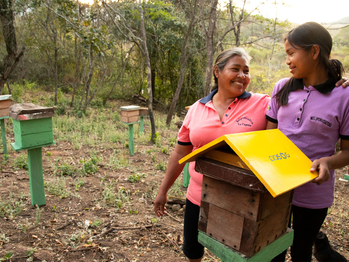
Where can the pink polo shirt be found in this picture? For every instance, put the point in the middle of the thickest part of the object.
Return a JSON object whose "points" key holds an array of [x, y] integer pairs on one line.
{"points": [[202, 125], [314, 119]]}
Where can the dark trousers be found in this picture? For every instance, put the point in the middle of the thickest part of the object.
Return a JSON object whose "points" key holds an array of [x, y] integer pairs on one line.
{"points": [[306, 223]]}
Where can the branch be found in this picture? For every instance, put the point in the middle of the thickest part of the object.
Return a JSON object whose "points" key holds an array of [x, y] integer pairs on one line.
{"points": [[66, 19], [124, 20]]}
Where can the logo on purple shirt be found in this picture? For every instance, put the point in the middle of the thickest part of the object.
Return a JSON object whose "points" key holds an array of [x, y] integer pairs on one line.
{"points": [[315, 118]]}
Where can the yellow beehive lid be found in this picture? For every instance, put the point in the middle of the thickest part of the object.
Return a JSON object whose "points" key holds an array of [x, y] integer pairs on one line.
{"points": [[277, 162]]}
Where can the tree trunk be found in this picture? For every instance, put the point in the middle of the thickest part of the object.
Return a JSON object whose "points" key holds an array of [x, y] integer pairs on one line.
{"points": [[78, 56], [149, 84], [56, 68], [184, 59], [8, 30], [209, 42]]}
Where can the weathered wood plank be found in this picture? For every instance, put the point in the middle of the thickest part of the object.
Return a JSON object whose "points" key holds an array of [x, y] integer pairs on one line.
{"points": [[238, 200], [233, 175], [225, 226]]}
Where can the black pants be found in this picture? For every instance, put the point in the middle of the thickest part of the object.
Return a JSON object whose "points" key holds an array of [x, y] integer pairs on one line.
{"points": [[306, 223], [192, 249]]}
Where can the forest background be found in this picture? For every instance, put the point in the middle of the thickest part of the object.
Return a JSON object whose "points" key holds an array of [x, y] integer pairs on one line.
{"points": [[157, 51]]}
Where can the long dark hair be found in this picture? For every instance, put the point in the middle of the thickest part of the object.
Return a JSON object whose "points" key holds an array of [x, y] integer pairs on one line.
{"points": [[223, 58], [305, 37]]}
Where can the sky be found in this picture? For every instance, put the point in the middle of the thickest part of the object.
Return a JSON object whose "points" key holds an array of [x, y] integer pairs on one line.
{"points": [[296, 11], [301, 11]]}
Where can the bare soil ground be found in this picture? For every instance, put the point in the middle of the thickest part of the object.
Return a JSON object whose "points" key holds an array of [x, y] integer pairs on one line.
{"points": [[80, 226]]}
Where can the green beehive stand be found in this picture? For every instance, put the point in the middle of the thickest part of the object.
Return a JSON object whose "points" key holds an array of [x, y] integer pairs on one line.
{"points": [[130, 116], [32, 126]]}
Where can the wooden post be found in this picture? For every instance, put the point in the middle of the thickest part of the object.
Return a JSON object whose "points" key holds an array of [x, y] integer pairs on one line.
{"points": [[186, 175], [227, 254], [3, 134], [131, 146], [36, 179], [143, 112], [141, 124]]}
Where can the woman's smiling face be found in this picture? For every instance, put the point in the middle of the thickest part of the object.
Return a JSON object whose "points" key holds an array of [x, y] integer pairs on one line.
{"points": [[235, 76]]}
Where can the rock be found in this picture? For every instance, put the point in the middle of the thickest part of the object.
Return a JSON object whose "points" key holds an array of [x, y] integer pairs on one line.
{"points": [[176, 207]]}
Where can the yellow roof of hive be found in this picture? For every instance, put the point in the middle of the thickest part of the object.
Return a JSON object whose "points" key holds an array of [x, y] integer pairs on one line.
{"points": [[277, 162]]}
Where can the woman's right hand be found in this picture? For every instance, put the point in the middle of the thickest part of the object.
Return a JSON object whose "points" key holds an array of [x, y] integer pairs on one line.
{"points": [[159, 204]]}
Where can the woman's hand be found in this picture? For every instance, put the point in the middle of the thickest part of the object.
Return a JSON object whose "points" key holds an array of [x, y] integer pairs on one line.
{"points": [[343, 82], [159, 204], [324, 172]]}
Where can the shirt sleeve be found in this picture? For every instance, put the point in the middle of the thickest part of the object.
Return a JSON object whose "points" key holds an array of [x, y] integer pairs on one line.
{"points": [[344, 129]]}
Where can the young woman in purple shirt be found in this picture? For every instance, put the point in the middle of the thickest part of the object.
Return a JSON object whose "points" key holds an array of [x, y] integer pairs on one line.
{"points": [[313, 113]]}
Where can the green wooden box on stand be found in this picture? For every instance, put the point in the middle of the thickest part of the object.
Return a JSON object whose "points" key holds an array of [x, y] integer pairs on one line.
{"points": [[32, 127], [130, 116]]}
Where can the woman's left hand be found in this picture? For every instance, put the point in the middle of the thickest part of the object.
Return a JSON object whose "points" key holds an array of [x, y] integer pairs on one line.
{"points": [[324, 172], [343, 82]]}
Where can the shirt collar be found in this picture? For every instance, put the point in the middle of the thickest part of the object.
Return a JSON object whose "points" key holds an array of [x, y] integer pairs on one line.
{"points": [[324, 88], [208, 98]]}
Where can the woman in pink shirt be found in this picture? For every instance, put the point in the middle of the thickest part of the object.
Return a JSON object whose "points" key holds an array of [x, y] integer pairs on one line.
{"points": [[228, 109]]}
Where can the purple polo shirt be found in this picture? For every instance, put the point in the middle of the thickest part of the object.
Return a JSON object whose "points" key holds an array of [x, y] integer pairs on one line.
{"points": [[314, 119]]}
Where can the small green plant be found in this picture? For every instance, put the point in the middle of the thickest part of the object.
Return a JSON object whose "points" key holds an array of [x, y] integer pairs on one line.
{"points": [[78, 184], [11, 207], [90, 166], [135, 178], [7, 257], [160, 166], [75, 239], [164, 151], [112, 198], [175, 190], [30, 252], [117, 160], [5, 160], [57, 187], [21, 161], [37, 215], [109, 196], [3, 239], [96, 223], [153, 158], [64, 168]]}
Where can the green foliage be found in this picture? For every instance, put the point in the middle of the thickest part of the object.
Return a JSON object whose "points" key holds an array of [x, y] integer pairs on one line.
{"points": [[89, 167], [57, 187], [11, 206], [21, 161], [65, 167], [7, 256], [160, 166], [135, 178]]}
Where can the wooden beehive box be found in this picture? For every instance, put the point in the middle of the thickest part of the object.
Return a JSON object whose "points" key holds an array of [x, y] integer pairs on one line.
{"points": [[32, 125], [248, 182], [129, 114], [143, 111], [5, 103]]}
